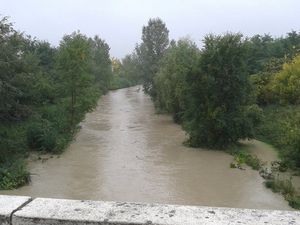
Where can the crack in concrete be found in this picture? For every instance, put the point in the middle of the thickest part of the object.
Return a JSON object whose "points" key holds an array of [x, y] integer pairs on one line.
{"points": [[19, 208]]}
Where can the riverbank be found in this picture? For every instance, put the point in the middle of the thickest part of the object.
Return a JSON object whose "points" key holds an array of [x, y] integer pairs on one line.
{"points": [[45, 92], [47, 131], [280, 127], [264, 158]]}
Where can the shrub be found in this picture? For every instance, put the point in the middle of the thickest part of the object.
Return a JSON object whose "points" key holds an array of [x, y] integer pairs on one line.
{"points": [[286, 83], [41, 136], [221, 110], [286, 188], [281, 127], [295, 202], [13, 175], [242, 156]]}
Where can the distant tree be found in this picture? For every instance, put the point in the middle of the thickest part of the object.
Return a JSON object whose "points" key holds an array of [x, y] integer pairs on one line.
{"points": [[155, 40], [263, 48], [130, 68], [286, 83], [101, 67], [262, 81], [116, 65]]}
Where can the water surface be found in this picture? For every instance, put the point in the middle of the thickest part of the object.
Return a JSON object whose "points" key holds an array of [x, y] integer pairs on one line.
{"points": [[126, 152]]}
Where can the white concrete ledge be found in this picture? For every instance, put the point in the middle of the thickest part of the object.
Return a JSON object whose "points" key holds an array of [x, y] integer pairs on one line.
{"points": [[8, 205], [44, 211]]}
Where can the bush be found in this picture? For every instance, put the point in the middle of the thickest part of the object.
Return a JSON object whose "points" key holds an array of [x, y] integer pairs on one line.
{"points": [[13, 175], [286, 188], [281, 127], [242, 156], [41, 136], [286, 83], [295, 202], [221, 108]]}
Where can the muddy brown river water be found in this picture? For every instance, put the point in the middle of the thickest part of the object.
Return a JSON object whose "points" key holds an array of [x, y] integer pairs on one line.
{"points": [[127, 152]]}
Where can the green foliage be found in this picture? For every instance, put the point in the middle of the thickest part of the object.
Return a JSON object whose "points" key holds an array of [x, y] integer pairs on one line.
{"points": [[263, 48], [41, 136], [155, 40], [101, 63], [295, 202], [127, 72], [262, 82], [14, 63], [221, 107], [44, 93], [286, 188], [250, 160], [286, 83], [13, 175], [119, 82], [171, 79], [281, 127], [243, 156], [74, 65]]}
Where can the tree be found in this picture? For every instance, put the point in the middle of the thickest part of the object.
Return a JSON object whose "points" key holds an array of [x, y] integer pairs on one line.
{"points": [[102, 68], [74, 64], [155, 40], [130, 69], [221, 107], [11, 45], [286, 83], [262, 82], [171, 81]]}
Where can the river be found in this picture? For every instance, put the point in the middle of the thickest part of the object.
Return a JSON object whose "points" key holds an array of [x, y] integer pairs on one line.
{"points": [[126, 152]]}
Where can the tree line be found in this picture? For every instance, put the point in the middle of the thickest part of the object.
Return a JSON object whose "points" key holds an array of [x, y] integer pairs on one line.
{"points": [[232, 88], [45, 92]]}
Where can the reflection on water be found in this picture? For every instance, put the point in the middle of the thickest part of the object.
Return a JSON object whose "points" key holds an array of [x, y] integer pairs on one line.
{"points": [[126, 152]]}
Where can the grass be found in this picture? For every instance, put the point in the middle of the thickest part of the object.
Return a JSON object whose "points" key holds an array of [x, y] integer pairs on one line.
{"points": [[242, 156], [286, 188], [282, 186]]}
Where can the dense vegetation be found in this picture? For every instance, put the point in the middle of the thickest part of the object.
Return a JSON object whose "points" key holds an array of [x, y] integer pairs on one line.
{"points": [[126, 72], [232, 88], [281, 126], [44, 93]]}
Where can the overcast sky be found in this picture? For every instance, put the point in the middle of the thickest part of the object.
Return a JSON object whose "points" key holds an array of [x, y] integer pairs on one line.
{"points": [[120, 22]]}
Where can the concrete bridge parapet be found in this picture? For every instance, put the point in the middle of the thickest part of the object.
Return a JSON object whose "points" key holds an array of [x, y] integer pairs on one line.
{"points": [[17, 210]]}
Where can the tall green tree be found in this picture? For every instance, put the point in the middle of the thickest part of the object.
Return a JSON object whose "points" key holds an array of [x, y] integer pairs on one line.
{"points": [[74, 65], [12, 45], [171, 80], [155, 40], [221, 107], [101, 63]]}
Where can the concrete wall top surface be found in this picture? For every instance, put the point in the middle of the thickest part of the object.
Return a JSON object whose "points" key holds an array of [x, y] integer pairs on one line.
{"points": [[78, 212]]}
